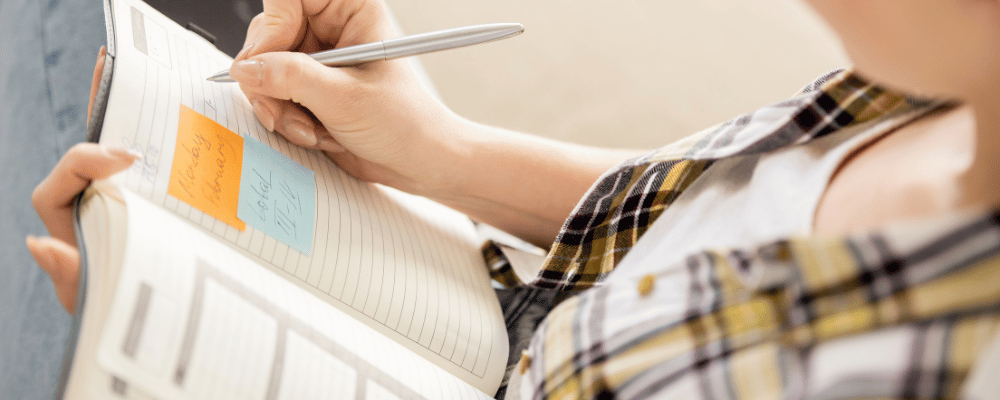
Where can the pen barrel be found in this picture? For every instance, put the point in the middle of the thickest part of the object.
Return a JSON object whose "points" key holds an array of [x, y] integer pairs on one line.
{"points": [[351, 55], [447, 39]]}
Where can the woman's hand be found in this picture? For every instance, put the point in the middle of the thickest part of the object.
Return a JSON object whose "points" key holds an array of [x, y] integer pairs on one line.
{"points": [[377, 123], [374, 120], [53, 200]]}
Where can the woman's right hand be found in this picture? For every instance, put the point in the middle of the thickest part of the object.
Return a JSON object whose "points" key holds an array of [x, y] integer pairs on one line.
{"points": [[374, 120], [378, 123]]}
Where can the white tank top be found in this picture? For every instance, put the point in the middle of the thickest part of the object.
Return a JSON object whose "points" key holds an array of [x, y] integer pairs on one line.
{"points": [[745, 201]]}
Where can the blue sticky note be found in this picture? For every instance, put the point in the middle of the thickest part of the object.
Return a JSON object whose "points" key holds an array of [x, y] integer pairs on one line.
{"points": [[277, 196]]}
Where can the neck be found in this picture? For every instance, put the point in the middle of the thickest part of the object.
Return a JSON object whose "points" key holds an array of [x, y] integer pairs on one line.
{"points": [[982, 181]]}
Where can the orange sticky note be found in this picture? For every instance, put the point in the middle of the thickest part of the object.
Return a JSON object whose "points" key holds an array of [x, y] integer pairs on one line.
{"points": [[208, 163]]}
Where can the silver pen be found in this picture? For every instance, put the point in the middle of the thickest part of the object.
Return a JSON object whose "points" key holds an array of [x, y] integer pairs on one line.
{"points": [[407, 46]]}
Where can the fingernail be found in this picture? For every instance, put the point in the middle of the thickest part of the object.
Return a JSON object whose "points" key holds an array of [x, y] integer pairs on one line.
{"points": [[243, 53], [248, 72], [327, 143], [264, 115], [123, 153], [300, 133]]}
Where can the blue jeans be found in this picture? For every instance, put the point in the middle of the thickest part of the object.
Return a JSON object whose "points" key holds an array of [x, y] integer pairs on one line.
{"points": [[47, 54]]}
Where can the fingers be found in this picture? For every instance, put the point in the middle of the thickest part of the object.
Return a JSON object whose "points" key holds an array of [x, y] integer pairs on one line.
{"points": [[293, 122], [96, 80], [279, 85], [292, 76], [286, 118], [312, 25], [326, 141], [62, 262], [265, 108], [83, 163], [279, 28], [297, 126], [351, 22], [300, 128]]}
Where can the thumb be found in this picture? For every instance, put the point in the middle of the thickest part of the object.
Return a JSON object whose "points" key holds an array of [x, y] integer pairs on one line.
{"points": [[62, 262], [292, 76], [278, 28]]}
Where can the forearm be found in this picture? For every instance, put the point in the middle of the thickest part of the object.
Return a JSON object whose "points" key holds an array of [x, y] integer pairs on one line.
{"points": [[522, 184]]}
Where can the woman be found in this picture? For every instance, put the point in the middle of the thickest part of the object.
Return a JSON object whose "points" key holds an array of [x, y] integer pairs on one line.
{"points": [[839, 244]]}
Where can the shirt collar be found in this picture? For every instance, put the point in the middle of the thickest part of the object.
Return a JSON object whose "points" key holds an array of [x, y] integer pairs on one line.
{"points": [[836, 100]]}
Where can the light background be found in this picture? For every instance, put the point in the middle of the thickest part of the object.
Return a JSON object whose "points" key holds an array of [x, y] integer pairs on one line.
{"points": [[623, 73]]}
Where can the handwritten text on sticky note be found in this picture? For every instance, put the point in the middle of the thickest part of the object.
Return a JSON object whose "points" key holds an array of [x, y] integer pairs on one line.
{"points": [[207, 167], [278, 196]]}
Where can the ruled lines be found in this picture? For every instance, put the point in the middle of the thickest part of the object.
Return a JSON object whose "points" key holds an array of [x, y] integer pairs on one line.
{"points": [[387, 255]]}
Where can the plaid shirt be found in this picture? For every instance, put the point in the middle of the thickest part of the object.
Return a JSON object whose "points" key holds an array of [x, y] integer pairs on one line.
{"points": [[759, 322]]}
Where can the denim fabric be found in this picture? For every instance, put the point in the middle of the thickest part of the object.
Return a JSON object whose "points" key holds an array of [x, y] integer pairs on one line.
{"points": [[46, 62]]}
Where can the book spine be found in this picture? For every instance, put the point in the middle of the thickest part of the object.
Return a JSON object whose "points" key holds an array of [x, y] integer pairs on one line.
{"points": [[96, 119]]}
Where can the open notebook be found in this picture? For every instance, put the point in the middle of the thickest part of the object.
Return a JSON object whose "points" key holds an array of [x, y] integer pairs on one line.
{"points": [[228, 263]]}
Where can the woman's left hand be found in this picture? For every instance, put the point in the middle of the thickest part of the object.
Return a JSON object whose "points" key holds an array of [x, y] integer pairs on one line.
{"points": [[53, 200]]}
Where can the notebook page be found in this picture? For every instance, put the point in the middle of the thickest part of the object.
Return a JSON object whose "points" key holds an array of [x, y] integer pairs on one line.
{"points": [[406, 266], [196, 320]]}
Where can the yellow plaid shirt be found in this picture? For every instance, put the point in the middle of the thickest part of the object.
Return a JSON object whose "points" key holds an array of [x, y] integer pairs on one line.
{"points": [[755, 316]]}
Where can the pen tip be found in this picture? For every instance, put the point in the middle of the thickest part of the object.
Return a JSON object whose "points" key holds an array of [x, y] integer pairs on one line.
{"points": [[210, 79]]}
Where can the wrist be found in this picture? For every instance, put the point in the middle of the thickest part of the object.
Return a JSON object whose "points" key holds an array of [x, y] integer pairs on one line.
{"points": [[438, 153]]}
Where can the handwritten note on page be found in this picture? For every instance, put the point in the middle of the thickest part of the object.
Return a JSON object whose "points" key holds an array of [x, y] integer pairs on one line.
{"points": [[277, 196], [384, 257], [207, 167]]}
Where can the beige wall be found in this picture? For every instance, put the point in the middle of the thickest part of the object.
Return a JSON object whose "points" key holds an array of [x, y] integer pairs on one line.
{"points": [[623, 73]]}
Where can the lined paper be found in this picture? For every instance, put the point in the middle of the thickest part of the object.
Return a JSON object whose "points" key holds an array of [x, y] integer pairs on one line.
{"points": [[241, 331], [405, 265]]}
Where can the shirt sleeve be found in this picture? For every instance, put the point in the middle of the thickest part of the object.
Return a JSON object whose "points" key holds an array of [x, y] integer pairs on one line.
{"points": [[611, 218]]}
